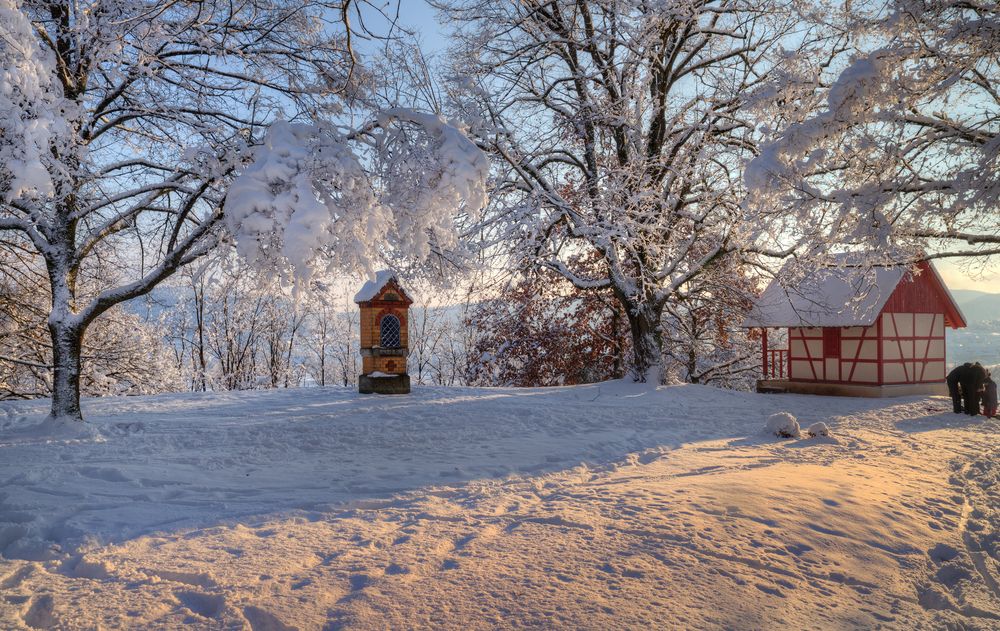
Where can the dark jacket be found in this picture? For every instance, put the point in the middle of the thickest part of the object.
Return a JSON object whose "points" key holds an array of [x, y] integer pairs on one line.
{"points": [[976, 376], [960, 373]]}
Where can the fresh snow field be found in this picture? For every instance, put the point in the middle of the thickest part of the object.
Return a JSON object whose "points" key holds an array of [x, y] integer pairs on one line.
{"points": [[599, 507]]}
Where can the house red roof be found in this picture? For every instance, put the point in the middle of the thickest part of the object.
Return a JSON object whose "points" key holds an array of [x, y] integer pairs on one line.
{"points": [[844, 294]]}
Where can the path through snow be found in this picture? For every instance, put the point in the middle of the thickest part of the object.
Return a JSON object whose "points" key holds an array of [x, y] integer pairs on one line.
{"points": [[611, 506]]}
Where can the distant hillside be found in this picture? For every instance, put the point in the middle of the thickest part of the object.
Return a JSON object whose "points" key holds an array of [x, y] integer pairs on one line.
{"points": [[981, 340], [978, 306]]}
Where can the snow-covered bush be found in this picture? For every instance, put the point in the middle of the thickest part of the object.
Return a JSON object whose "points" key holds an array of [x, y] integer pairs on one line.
{"points": [[317, 199], [818, 429], [536, 332], [783, 425]]}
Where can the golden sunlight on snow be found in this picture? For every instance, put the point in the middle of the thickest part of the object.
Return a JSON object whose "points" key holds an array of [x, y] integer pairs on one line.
{"points": [[891, 523]]}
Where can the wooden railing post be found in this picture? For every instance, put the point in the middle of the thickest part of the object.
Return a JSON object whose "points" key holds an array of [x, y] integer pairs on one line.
{"points": [[763, 339]]}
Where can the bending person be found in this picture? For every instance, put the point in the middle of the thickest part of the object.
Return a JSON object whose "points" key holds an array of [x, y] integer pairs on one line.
{"points": [[972, 386], [956, 377]]}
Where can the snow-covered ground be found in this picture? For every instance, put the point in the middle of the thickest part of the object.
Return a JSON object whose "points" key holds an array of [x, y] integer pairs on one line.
{"points": [[603, 506]]}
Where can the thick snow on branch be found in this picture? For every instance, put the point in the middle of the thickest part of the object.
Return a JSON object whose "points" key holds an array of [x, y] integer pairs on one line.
{"points": [[314, 199], [904, 151], [28, 107], [848, 101]]}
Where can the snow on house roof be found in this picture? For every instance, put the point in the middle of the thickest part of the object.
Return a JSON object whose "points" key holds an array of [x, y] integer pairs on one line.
{"points": [[372, 288], [839, 295]]}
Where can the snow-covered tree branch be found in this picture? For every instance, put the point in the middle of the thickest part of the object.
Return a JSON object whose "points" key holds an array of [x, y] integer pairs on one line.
{"points": [[620, 129], [123, 123], [902, 151], [317, 198]]}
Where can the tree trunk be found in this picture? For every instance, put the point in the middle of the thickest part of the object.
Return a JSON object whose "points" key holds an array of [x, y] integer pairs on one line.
{"points": [[618, 369], [288, 356], [67, 342], [65, 327], [322, 362], [647, 340], [199, 302], [692, 364]]}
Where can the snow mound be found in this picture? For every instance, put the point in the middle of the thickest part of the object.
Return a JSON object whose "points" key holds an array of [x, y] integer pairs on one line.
{"points": [[818, 429], [53, 431], [838, 295], [783, 425]]}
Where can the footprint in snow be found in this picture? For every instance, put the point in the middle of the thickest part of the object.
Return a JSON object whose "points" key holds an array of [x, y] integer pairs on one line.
{"points": [[205, 605], [263, 620], [123, 429], [951, 574], [107, 474], [40, 613], [770, 589], [359, 582], [942, 553]]}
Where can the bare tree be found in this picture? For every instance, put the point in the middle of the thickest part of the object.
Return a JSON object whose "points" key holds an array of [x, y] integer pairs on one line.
{"points": [[901, 149], [25, 361], [703, 325], [319, 339], [346, 346], [282, 322], [146, 106], [122, 353], [620, 130]]}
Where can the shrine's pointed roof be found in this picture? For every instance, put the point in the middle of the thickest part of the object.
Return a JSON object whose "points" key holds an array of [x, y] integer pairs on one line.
{"points": [[373, 288]]}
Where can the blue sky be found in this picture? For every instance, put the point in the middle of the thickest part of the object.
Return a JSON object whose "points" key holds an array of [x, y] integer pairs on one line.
{"points": [[956, 278], [414, 15]]}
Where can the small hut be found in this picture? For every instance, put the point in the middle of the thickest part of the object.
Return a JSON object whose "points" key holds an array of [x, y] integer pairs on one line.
{"points": [[384, 345], [857, 332]]}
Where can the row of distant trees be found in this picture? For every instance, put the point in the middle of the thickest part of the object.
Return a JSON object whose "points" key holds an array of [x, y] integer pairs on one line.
{"points": [[214, 328], [223, 326]]}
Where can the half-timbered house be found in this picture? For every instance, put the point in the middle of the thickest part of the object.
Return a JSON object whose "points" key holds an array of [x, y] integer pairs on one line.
{"points": [[855, 331]]}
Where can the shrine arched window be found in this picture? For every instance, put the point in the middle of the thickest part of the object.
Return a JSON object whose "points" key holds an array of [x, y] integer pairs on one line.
{"points": [[389, 329]]}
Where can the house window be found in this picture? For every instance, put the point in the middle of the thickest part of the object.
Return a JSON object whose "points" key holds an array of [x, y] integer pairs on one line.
{"points": [[389, 329], [831, 342]]}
